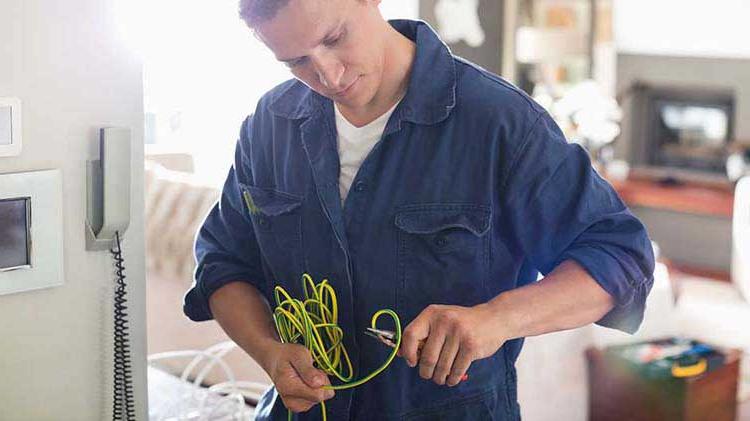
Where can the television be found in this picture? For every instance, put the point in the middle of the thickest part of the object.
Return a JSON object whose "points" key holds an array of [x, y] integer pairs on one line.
{"points": [[683, 129]]}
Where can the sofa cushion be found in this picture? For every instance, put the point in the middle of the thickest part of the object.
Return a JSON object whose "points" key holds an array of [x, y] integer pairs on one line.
{"points": [[713, 311], [175, 205]]}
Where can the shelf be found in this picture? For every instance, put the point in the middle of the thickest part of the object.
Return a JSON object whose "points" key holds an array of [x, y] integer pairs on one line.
{"points": [[686, 197]]}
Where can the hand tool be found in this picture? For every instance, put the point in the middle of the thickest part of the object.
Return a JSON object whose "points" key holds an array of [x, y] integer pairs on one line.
{"points": [[388, 337]]}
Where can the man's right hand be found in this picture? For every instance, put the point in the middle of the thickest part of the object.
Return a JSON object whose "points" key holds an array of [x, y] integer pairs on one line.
{"points": [[247, 318], [297, 381]]}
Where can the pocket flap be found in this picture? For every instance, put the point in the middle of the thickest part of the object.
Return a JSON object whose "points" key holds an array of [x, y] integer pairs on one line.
{"points": [[435, 218], [268, 201]]}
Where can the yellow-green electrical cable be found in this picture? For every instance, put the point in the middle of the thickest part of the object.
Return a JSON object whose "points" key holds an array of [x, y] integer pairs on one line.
{"points": [[313, 323]]}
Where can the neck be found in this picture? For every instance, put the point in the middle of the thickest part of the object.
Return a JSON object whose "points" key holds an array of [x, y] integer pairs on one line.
{"points": [[399, 57]]}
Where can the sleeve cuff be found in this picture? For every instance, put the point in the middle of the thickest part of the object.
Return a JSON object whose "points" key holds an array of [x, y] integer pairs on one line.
{"points": [[195, 303], [629, 293]]}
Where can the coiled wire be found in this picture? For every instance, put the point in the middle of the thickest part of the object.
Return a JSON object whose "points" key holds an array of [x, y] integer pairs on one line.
{"points": [[123, 404], [313, 323]]}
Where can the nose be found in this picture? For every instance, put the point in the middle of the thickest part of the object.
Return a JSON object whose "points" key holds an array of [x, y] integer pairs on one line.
{"points": [[330, 71]]}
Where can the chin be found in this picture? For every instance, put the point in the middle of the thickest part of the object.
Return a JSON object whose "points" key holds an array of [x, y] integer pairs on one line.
{"points": [[363, 97], [351, 102]]}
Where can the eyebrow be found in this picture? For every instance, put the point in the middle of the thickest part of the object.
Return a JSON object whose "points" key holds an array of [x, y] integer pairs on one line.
{"points": [[327, 36]]}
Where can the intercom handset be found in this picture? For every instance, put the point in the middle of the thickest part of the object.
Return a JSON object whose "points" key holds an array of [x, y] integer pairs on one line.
{"points": [[108, 183]]}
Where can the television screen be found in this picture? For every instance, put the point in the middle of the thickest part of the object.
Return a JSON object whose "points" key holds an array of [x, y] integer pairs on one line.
{"points": [[691, 134]]}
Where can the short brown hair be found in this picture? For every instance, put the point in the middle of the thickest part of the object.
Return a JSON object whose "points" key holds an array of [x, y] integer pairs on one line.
{"points": [[254, 12]]}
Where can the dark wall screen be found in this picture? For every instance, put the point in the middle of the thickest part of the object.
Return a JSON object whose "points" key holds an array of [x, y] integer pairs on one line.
{"points": [[14, 233]]}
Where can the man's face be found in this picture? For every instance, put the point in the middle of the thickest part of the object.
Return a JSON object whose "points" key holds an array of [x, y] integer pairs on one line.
{"points": [[335, 47]]}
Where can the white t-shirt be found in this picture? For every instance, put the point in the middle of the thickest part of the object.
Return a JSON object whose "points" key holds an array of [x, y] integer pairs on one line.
{"points": [[354, 143]]}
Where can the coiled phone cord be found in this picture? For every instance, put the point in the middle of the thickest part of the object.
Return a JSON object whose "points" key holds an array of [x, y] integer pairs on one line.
{"points": [[123, 405], [314, 324]]}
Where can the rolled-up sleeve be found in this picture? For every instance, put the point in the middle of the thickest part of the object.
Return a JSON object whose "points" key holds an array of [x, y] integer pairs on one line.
{"points": [[226, 249], [560, 209]]}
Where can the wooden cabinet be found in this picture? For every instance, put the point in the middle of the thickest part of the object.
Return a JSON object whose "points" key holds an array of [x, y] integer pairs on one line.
{"points": [[619, 393]]}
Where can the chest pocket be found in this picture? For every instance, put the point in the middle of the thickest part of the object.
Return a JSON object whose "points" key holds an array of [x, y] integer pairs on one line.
{"points": [[443, 255], [277, 220]]}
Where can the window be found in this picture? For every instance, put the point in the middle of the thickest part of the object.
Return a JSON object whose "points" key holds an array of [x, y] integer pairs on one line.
{"points": [[204, 72]]}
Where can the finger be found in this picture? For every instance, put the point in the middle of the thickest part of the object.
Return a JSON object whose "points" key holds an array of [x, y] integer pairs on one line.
{"points": [[301, 391], [303, 363], [298, 404], [296, 388], [445, 362], [460, 366], [293, 385], [416, 331], [430, 354]]}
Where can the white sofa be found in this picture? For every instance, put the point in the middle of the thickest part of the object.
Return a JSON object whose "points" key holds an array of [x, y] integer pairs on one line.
{"points": [[719, 312]]}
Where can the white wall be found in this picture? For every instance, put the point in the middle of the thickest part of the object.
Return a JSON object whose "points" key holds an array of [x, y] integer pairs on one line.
{"points": [[400, 9], [63, 59], [698, 28]]}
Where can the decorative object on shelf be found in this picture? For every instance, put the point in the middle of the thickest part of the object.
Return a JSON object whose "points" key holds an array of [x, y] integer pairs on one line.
{"points": [[543, 50], [589, 117], [617, 170], [555, 43], [458, 20], [473, 29]]}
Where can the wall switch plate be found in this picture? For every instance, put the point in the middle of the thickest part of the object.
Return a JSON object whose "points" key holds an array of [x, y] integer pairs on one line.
{"points": [[10, 127]]}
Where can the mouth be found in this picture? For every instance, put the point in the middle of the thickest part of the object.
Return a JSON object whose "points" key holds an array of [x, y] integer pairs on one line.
{"points": [[348, 89]]}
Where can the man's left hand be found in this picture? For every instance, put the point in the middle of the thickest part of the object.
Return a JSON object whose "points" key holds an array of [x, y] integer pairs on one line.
{"points": [[453, 337]]}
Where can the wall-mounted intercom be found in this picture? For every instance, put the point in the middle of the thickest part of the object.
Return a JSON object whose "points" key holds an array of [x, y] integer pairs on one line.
{"points": [[108, 216], [10, 127], [31, 231], [108, 186]]}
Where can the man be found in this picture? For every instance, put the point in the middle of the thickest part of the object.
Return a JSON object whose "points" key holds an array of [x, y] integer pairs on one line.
{"points": [[456, 187]]}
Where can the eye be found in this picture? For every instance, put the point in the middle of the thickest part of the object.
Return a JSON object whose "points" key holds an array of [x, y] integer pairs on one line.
{"points": [[332, 42], [336, 40]]}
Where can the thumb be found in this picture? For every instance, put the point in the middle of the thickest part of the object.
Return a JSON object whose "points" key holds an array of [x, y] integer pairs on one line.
{"points": [[303, 364]]}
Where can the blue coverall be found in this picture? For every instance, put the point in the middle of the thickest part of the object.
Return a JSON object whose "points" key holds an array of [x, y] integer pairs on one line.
{"points": [[471, 191]]}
